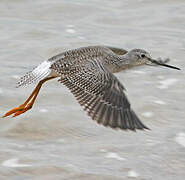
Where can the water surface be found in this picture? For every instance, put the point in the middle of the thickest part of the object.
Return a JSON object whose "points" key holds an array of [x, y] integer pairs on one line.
{"points": [[56, 139]]}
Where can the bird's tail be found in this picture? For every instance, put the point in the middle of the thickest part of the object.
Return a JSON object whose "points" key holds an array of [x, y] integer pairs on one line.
{"points": [[38, 74]]}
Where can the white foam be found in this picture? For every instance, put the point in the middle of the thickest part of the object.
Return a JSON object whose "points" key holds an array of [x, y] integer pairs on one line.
{"points": [[166, 83], [14, 163], [160, 77], [70, 25], [180, 139], [159, 102], [114, 156], [147, 114], [15, 77], [81, 37], [43, 110], [72, 31], [132, 174], [103, 150], [15, 144], [151, 142]]}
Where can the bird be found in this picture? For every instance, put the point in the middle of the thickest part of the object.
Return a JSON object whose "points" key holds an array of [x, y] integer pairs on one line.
{"points": [[88, 72]]}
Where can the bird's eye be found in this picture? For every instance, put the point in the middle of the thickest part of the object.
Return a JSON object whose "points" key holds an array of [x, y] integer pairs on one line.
{"points": [[143, 55]]}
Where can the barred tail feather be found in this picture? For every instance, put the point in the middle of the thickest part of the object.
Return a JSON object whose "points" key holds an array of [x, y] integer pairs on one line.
{"points": [[39, 73]]}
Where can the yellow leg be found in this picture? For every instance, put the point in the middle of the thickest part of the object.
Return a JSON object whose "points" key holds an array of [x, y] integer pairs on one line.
{"points": [[26, 105]]}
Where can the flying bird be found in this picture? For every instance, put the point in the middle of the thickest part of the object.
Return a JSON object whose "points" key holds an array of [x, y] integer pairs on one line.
{"points": [[88, 73]]}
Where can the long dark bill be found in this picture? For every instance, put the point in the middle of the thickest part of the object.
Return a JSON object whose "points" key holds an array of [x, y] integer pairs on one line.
{"points": [[162, 64]]}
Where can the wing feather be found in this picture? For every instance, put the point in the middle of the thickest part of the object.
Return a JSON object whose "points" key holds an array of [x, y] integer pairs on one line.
{"points": [[100, 93]]}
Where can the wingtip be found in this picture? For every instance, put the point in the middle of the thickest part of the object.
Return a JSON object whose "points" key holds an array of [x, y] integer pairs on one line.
{"points": [[138, 125]]}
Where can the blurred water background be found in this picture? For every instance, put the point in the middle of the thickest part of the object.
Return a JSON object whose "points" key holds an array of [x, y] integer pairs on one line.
{"points": [[56, 139]]}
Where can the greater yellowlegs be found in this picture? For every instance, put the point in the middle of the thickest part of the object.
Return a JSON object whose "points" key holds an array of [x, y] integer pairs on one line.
{"points": [[88, 74]]}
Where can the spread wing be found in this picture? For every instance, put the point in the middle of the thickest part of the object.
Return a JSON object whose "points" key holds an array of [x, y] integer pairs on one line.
{"points": [[100, 93]]}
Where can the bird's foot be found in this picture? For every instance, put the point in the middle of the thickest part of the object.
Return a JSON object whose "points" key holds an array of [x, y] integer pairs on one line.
{"points": [[18, 110]]}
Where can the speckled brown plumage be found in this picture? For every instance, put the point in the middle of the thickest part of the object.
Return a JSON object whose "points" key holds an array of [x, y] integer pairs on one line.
{"points": [[85, 72], [88, 73]]}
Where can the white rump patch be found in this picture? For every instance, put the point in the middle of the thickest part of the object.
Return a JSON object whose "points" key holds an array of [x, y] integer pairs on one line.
{"points": [[42, 70]]}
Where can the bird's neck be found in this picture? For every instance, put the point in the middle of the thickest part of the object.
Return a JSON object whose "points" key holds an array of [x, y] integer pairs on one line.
{"points": [[125, 59], [119, 63]]}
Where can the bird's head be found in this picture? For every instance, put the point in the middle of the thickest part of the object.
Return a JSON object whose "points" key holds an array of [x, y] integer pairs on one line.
{"points": [[140, 56]]}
